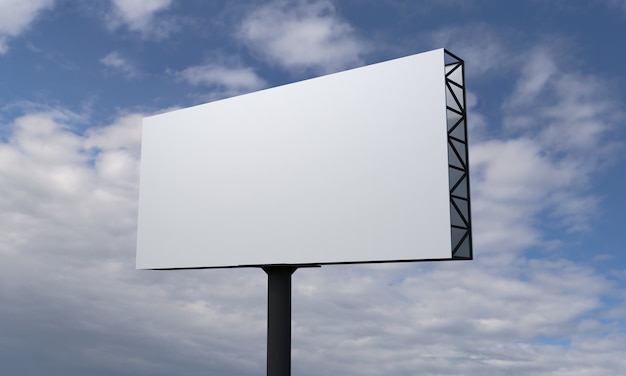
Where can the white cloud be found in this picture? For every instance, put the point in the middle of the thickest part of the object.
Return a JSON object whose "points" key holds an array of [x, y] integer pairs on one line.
{"points": [[141, 16], [302, 35], [511, 181], [58, 177], [537, 71], [570, 117], [570, 111], [116, 61], [484, 49], [226, 79], [16, 16]]}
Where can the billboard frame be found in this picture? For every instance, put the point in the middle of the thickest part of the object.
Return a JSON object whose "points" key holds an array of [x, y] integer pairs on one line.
{"points": [[459, 237], [280, 275]]}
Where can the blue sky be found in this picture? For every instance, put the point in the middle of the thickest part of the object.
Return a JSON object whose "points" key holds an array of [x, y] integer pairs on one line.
{"points": [[545, 294]]}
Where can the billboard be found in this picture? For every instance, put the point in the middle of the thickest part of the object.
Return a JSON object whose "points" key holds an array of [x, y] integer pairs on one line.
{"points": [[365, 165]]}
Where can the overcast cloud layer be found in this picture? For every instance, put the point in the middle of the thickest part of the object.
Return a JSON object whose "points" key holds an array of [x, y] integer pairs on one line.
{"points": [[543, 297]]}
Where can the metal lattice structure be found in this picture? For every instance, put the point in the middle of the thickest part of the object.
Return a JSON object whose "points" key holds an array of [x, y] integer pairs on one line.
{"points": [[458, 166]]}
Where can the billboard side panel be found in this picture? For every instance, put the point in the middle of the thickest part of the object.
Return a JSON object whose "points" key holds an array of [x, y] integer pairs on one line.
{"points": [[458, 158], [349, 167]]}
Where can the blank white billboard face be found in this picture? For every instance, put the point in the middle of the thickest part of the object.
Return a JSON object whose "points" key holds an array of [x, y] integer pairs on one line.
{"points": [[350, 167]]}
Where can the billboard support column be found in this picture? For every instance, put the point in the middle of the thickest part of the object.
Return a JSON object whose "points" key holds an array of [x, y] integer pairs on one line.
{"points": [[279, 319]]}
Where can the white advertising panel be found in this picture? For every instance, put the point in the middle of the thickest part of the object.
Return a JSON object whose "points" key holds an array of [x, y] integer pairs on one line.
{"points": [[348, 167]]}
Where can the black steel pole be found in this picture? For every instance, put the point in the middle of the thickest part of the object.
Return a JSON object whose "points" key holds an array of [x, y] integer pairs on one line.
{"points": [[279, 319]]}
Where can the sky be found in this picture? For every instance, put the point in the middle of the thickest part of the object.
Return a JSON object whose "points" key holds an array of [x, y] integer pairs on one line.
{"points": [[545, 294]]}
